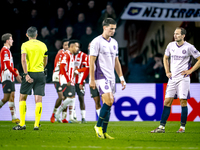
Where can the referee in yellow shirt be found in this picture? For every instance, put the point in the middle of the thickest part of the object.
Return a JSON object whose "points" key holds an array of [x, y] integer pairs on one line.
{"points": [[34, 59]]}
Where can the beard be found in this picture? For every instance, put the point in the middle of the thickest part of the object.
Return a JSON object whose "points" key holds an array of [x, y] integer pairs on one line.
{"points": [[180, 40]]}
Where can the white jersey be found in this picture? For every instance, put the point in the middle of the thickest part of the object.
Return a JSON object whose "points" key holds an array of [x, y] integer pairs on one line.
{"points": [[106, 52], [181, 57]]}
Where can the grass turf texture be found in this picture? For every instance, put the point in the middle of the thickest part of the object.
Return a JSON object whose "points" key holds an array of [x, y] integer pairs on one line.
{"points": [[128, 135]]}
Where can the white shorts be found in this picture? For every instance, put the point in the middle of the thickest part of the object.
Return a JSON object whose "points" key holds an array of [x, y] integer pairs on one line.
{"points": [[105, 86], [179, 87]]}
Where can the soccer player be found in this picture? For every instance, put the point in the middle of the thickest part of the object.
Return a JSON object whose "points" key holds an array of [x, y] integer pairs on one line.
{"points": [[7, 73], [57, 85], [80, 60], [34, 59], [103, 61], [67, 80], [181, 53]]}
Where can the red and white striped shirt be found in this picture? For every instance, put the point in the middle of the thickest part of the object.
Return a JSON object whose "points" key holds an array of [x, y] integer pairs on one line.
{"points": [[57, 62], [80, 61], [7, 71], [67, 68]]}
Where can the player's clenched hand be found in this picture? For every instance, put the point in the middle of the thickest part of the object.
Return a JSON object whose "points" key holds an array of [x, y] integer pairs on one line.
{"points": [[123, 85], [69, 83], [92, 84], [186, 73], [81, 86], [29, 79], [169, 75]]}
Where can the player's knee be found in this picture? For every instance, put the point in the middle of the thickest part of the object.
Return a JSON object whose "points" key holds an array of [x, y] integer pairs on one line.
{"points": [[183, 102], [168, 102]]}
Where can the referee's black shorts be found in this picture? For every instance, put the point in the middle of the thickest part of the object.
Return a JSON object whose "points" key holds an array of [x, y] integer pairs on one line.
{"points": [[38, 84]]}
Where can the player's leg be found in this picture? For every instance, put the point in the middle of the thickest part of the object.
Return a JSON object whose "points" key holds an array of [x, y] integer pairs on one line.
{"points": [[69, 92], [183, 90], [5, 99], [81, 94], [6, 85], [58, 103], [95, 95], [11, 105], [38, 111], [97, 104], [22, 112], [38, 89], [184, 113], [169, 97]]}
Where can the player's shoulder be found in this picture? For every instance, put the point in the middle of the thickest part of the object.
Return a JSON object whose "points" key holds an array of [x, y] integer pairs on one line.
{"points": [[188, 44], [97, 39], [4, 50]]}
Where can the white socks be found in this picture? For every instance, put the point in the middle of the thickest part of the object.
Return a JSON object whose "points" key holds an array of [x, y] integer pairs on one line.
{"points": [[83, 113], [64, 105], [64, 115], [12, 109], [71, 108], [161, 127], [98, 111], [182, 127]]}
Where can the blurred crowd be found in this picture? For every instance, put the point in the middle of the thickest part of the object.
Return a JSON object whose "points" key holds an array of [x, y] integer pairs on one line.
{"points": [[71, 19], [55, 20]]}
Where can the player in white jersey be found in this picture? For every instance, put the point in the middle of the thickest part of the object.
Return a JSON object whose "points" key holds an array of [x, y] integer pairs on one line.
{"points": [[7, 74], [103, 61], [181, 53]]}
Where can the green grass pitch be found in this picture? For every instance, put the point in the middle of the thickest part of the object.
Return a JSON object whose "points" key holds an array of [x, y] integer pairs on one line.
{"points": [[128, 135]]}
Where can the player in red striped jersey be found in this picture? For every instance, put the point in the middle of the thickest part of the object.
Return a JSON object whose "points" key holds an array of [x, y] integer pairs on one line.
{"points": [[80, 60], [67, 80], [55, 80], [7, 74]]}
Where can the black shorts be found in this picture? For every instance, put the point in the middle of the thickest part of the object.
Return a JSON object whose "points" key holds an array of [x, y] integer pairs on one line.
{"points": [[94, 92], [57, 86], [38, 84], [79, 91], [8, 86], [68, 91]]}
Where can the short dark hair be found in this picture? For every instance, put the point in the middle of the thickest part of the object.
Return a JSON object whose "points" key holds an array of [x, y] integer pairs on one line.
{"points": [[32, 32], [108, 21], [5, 37], [183, 31], [64, 40], [73, 42]]}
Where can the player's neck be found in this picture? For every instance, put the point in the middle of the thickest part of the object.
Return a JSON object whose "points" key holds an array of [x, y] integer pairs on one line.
{"points": [[7, 45], [180, 43], [106, 37]]}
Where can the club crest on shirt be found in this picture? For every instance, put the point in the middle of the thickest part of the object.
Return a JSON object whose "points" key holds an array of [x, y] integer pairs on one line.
{"points": [[184, 51], [114, 47], [106, 87]]}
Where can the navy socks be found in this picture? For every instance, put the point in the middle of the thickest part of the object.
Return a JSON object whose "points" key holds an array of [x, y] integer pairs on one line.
{"points": [[103, 113], [184, 112], [165, 115]]}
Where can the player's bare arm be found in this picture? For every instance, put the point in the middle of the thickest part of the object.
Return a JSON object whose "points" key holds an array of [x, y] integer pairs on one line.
{"points": [[45, 61], [119, 72], [24, 66], [92, 79], [195, 67], [166, 65]]}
